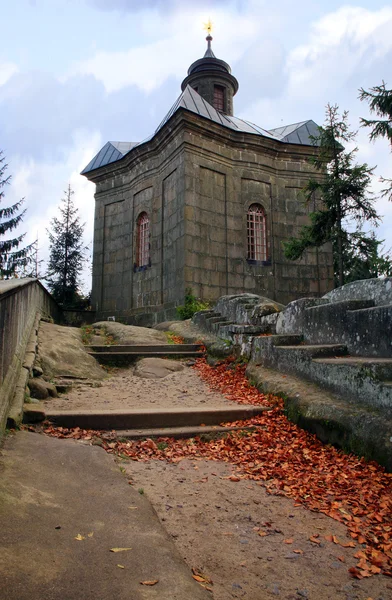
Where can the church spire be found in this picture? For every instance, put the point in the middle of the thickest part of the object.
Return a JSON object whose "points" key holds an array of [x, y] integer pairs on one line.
{"points": [[209, 53], [211, 77]]}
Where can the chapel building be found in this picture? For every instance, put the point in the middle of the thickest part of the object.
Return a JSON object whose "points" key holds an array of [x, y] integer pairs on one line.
{"points": [[204, 204]]}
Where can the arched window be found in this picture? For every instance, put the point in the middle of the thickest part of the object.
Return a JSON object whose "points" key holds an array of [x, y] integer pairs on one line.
{"points": [[143, 240], [219, 98], [257, 233]]}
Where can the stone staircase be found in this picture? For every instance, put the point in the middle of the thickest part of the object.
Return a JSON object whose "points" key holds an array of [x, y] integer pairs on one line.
{"points": [[360, 380], [145, 423]]}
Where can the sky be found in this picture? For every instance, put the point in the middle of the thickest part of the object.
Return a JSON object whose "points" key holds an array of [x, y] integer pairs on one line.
{"points": [[77, 73]]}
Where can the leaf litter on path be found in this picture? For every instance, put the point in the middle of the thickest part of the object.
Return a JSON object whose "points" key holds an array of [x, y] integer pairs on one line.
{"points": [[287, 461]]}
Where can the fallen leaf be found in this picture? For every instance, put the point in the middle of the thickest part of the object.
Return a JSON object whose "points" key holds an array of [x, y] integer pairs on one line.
{"points": [[79, 537], [298, 551], [289, 541], [355, 573], [119, 549], [262, 533], [133, 507], [151, 582], [90, 535], [341, 558], [121, 566], [329, 538], [313, 538], [200, 577], [234, 478]]}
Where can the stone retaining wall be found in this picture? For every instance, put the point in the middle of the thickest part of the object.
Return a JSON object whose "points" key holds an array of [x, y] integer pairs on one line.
{"points": [[21, 301]]}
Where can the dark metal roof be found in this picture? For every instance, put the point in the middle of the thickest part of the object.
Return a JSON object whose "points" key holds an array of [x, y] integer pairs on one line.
{"points": [[297, 133], [111, 152]]}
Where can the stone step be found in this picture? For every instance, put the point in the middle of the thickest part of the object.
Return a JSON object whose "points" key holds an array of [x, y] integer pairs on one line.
{"points": [[286, 340], [316, 350], [168, 348], [216, 326], [142, 418], [377, 368], [178, 432], [105, 358]]}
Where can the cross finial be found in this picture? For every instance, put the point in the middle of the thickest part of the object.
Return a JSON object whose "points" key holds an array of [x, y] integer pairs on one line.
{"points": [[208, 27]]}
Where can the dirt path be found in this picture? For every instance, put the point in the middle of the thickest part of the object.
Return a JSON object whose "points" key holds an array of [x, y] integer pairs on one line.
{"points": [[125, 390], [251, 544], [217, 523]]}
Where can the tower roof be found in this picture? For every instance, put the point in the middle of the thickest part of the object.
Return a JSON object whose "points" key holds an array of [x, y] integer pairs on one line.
{"points": [[209, 62]]}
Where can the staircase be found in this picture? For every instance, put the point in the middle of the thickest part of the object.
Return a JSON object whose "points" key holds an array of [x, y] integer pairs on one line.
{"points": [[146, 423], [362, 380]]}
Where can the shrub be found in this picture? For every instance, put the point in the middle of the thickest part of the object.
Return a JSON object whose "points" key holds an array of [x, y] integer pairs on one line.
{"points": [[191, 306]]}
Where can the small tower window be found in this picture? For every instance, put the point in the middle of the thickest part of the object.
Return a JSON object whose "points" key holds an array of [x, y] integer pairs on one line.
{"points": [[257, 233], [219, 97], [143, 240]]}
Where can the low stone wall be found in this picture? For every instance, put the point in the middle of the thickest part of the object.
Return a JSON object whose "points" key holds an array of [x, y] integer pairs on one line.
{"points": [[358, 315], [21, 302]]}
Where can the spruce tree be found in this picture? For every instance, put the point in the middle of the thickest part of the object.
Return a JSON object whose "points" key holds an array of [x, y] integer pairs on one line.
{"points": [[380, 103], [67, 253], [12, 257], [341, 190]]}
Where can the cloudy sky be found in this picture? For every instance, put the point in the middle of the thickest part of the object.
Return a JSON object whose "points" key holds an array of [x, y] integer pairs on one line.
{"points": [[77, 73]]}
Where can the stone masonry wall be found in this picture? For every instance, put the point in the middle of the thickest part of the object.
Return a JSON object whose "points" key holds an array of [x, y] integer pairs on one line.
{"points": [[222, 179], [120, 288]]}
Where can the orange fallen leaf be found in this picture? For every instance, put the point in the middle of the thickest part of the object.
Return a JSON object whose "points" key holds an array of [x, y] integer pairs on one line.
{"points": [[150, 582], [313, 538], [200, 577], [289, 541], [329, 538], [298, 551], [341, 558], [355, 573], [234, 478], [262, 533]]}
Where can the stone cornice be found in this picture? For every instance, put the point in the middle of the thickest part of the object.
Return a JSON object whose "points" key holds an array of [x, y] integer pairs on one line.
{"points": [[186, 121]]}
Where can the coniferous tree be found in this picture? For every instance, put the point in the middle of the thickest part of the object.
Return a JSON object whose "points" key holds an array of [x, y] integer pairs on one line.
{"points": [[67, 253], [380, 103], [12, 258], [342, 192]]}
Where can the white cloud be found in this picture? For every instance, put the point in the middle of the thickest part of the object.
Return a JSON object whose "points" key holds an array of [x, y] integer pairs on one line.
{"points": [[339, 44], [148, 66], [7, 69], [42, 184]]}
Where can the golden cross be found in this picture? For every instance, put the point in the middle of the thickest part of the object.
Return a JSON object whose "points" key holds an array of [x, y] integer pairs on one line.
{"points": [[208, 26]]}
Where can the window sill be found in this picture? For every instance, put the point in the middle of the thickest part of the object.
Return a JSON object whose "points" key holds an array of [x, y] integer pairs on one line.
{"points": [[259, 263], [137, 269]]}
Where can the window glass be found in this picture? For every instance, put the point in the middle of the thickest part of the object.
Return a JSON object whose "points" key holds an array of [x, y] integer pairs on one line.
{"points": [[143, 240], [219, 97], [257, 233]]}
